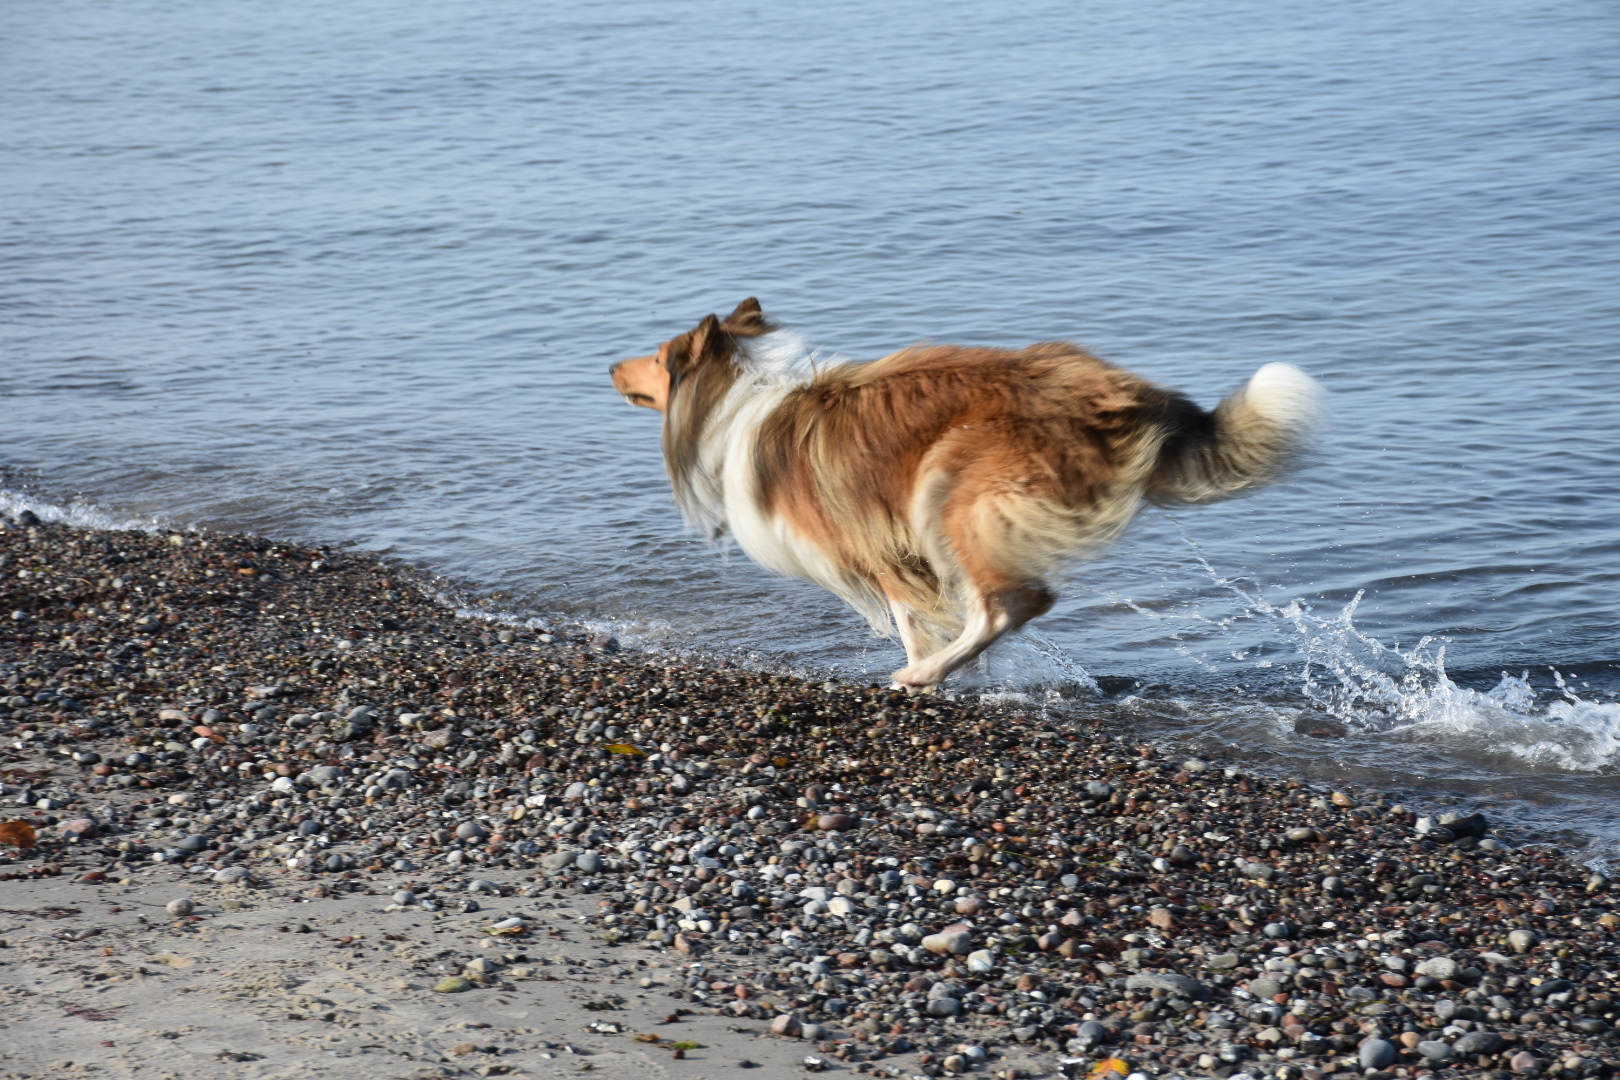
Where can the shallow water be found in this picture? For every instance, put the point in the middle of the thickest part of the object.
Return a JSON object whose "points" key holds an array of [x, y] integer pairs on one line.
{"points": [[355, 272]]}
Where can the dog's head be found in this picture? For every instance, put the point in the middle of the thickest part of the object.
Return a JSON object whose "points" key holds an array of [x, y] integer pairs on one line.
{"points": [[652, 381]]}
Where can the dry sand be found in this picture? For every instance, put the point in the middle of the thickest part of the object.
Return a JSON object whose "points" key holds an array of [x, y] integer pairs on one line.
{"points": [[98, 980]]}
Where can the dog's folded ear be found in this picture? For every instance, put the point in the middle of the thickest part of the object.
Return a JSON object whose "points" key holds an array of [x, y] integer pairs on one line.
{"points": [[705, 339], [748, 320]]}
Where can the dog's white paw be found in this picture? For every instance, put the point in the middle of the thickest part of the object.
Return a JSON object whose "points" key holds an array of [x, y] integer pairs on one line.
{"points": [[914, 680]]}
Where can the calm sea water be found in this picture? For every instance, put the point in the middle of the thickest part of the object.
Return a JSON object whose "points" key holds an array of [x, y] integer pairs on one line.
{"points": [[355, 272]]}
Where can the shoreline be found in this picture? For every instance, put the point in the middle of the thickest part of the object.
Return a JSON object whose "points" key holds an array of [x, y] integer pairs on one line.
{"points": [[895, 885]]}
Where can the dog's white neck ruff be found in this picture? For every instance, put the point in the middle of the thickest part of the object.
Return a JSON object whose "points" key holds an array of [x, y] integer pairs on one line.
{"points": [[784, 357], [720, 494], [770, 367]]}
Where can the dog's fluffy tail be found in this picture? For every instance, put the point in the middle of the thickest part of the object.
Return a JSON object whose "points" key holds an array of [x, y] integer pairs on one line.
{"points": [[1250, 440]]}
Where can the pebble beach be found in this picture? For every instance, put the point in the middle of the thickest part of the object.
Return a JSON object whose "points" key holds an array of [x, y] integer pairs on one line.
{"points": [[273, 810]]}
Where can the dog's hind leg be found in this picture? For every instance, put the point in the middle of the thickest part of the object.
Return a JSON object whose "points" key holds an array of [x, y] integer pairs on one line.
{"points": [[989, 544]]}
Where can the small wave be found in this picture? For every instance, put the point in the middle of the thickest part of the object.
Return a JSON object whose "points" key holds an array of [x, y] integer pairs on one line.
{"points": [[14, 504]]}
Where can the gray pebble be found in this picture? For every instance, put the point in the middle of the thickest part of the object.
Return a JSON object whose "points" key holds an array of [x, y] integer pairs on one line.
{"points": [[1473, 825], [1175, 985], [1265, 988], [1478, 1042], [1439, 967], [1377, 1054], [1434, 1050]]}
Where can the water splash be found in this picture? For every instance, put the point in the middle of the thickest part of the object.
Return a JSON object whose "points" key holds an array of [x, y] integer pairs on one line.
{"points": [[1027, 667], [1371, 687]]}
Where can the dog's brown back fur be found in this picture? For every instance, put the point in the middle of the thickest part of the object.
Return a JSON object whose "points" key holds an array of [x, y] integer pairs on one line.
{"points": [[1022, 443]]}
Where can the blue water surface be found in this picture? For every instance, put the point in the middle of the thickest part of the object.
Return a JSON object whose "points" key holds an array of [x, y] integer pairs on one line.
{"points": [[355, 272]]}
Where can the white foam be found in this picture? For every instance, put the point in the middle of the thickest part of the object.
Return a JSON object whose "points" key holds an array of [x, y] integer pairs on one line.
{"points": [[78, 514]]}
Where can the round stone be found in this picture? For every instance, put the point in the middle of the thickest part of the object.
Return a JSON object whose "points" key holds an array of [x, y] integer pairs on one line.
{"points": [[1526, 1063], [1438, 967], [1265, 989], [180, 908], [82, 828], [1434, 1050], [837, 822], [1478, 1042], [1378, 1054]]}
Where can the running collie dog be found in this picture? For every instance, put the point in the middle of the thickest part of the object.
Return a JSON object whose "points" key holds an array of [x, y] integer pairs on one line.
{"points": [[946, 485]]}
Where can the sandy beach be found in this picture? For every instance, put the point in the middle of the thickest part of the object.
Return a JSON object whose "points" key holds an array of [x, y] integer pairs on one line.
{"points": [[276, 813]]}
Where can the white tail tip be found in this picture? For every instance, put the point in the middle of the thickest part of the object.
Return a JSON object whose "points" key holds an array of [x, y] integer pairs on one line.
{"points": [[1286, 396]]}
